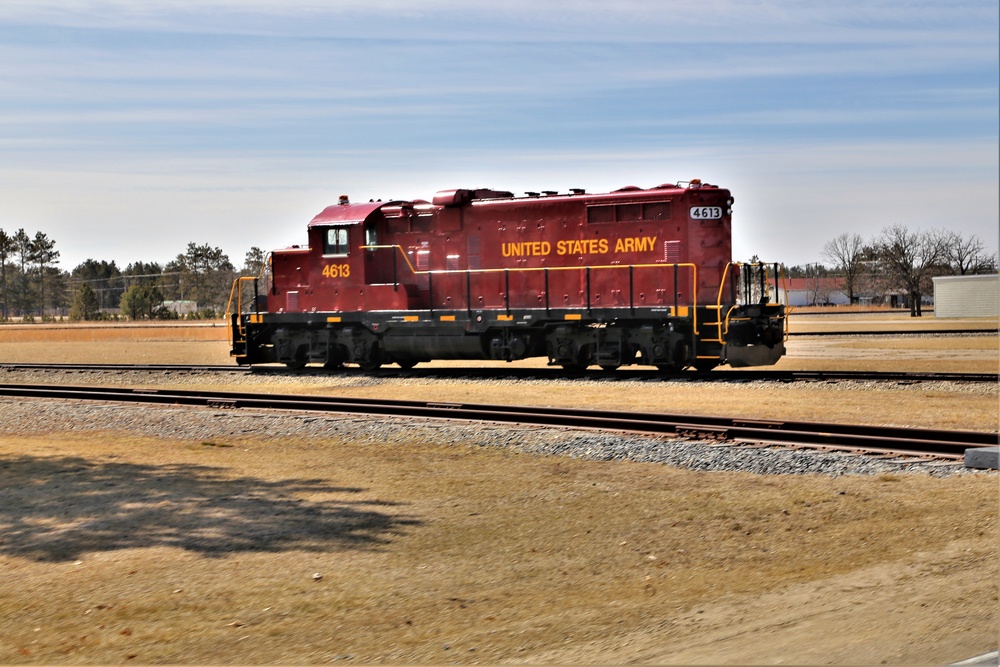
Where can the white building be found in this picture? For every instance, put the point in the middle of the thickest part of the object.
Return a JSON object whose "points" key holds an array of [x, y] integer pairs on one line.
{"points": [[967, 296]]}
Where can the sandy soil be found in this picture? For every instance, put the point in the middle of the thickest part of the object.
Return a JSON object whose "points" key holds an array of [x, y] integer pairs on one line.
{"points": [[118, 549]]}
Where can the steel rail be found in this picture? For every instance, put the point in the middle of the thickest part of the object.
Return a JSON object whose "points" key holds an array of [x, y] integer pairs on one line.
{"points": [[897, 440], [896, 332], [157, 368], [487, 372]]}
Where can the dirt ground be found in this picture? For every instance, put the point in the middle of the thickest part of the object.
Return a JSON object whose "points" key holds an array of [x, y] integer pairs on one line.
{"points": [[115, 548]]}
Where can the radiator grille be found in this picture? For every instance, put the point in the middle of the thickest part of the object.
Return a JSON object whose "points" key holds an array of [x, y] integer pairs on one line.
{"points": [[597, 215]]}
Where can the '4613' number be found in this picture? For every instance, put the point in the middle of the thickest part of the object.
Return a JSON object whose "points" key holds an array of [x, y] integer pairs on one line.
{"points": [[337, 271], [706, 212]]}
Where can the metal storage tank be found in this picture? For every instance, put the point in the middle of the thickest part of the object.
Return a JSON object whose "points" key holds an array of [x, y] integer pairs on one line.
{"points": [[967, 296]]}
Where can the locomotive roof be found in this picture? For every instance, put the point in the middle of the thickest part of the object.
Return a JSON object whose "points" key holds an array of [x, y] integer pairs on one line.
{"points": [[344, 213]]}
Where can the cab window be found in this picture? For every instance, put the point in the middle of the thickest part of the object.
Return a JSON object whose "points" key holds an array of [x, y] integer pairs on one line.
{"points": [[335, 241]]}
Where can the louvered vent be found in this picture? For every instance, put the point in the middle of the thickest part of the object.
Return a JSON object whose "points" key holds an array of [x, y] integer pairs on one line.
{"points": [[672, 251], [475, 252]]}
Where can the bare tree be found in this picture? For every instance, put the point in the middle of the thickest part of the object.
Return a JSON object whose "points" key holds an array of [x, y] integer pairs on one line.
{"points": [[967, 255], [847, 252], [908, 260]]}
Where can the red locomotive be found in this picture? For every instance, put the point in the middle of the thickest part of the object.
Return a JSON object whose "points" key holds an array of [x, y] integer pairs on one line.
{"points": [[632, 276]]}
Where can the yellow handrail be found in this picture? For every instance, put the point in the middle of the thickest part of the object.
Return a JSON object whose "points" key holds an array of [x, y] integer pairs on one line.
{"points": [[235, 289], [238, 292], [784, 289], [527, 268], [692, 267]]}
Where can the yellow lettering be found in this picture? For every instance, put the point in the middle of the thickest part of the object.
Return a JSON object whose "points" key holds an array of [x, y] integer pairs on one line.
{"points": [[526, 249], [635, 244], [603, 245]]}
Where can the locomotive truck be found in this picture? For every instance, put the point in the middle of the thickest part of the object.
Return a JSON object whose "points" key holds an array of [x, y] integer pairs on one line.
{"points": [[633, 276]]}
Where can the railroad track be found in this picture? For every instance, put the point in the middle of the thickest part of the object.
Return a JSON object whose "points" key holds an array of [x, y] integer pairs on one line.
{"points": [[151, 368], [891, 441], [895, 332], [490, 372]]}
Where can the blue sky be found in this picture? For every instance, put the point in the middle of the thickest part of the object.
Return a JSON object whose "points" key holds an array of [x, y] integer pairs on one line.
{"points": [[128, 129]]}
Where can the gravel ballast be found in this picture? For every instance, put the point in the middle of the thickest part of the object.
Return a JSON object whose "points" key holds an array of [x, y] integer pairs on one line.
{"points": [[35, 417]]}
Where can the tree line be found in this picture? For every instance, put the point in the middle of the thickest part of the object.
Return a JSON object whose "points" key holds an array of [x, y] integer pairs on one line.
{"points": [[900, 261], [32, 286]]}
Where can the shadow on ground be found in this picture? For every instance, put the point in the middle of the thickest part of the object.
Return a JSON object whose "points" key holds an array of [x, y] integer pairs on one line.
{"points": [[57, 509]]}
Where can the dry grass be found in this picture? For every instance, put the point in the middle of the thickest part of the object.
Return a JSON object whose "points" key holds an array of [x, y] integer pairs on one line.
{"points": [[203, 343], [88, 333], [116, 549], [184, 552]]}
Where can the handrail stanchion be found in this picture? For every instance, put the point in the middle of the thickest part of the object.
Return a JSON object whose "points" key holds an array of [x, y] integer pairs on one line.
{"points": [[747, 277], [762, 274], [631, 289], [676, 291], [506, 290], [468, 293], [732, 283], [546, 271], [777, 297]]}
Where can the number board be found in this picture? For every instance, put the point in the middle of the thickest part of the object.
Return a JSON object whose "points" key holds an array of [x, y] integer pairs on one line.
{"points": [[706, 212]]}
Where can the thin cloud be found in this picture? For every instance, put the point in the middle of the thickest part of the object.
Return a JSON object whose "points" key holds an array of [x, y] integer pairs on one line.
{"points": [[241, 119], [730, 21]]}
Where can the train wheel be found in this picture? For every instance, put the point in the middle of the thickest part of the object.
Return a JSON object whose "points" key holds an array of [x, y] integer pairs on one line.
{"points": [[374, 360], [296, 365], [705, 365], [574, 367], [609, 368], [406, 364]]}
